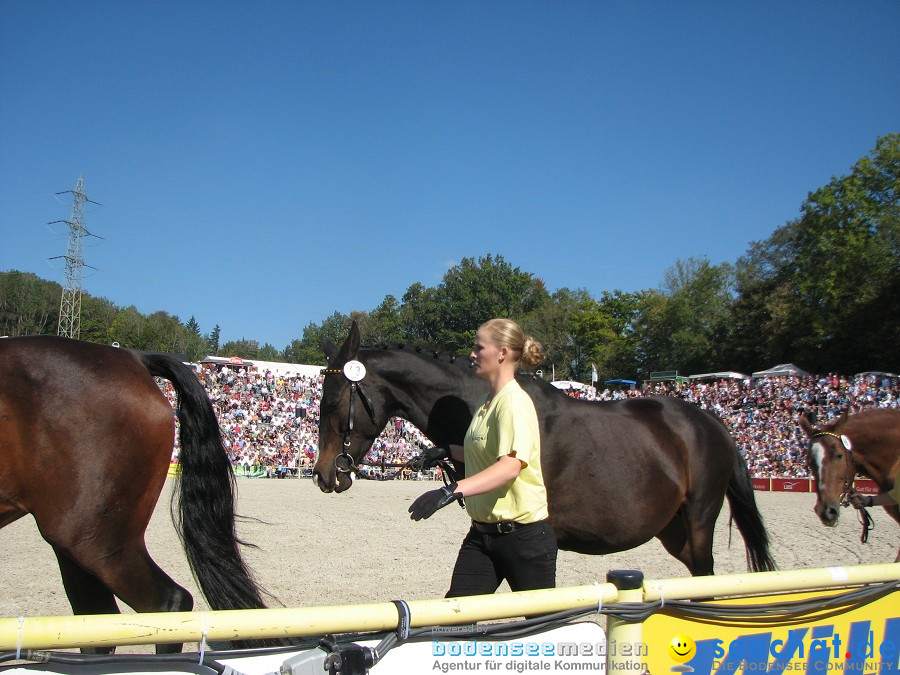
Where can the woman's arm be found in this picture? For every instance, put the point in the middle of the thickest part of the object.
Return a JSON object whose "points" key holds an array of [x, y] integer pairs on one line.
{"points": [[502, 472]]}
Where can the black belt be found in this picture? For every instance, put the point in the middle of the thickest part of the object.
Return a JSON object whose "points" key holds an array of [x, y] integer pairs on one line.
{"points": [[503, 527]]}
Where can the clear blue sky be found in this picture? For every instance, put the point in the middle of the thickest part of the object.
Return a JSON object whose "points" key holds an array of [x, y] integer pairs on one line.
{"points": [[263, 164]]}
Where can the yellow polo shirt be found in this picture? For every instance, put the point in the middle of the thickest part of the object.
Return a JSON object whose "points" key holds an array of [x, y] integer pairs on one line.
{"points": [[508, 425]]}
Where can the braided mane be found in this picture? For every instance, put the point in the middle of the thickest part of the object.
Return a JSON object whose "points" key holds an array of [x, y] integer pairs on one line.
{"points": [[436, 354]]}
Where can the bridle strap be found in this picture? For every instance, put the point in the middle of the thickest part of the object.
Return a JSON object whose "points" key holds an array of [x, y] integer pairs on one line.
{"points": [[344, 463], [861, 513]]}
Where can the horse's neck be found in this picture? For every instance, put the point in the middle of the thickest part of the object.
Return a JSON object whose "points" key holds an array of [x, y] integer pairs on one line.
{"points": [[876, 454], [417, 386]]}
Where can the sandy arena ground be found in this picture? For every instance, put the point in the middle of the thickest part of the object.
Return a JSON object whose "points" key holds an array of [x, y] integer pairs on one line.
{"points": [[361, 546]]}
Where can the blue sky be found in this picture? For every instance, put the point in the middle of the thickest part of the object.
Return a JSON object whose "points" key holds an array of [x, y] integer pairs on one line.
{"points": [[263, 164]]}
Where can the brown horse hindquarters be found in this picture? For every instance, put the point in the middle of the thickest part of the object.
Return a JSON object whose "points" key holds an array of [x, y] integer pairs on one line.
{"points": [[658, 468], [88, 458]]}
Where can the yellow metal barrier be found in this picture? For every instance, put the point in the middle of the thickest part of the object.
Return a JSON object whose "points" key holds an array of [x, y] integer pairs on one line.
{"points": [[861, 635]]}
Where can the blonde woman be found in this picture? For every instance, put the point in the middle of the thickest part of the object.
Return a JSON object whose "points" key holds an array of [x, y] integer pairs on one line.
{"points": [[511, 537]]}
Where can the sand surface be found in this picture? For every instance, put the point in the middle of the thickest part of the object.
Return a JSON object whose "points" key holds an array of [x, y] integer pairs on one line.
{"points": [[361, 546]]}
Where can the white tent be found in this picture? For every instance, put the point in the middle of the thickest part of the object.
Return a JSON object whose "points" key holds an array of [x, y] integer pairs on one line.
{"points": [[781, 370], [725, 375], [569, 384], [277, 368]]}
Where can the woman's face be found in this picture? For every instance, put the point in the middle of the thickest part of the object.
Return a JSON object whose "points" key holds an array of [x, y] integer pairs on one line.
{"points": [[485, 355]]}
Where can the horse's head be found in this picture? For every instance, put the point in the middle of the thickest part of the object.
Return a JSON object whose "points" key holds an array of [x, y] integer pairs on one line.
{"points": [[830, 464], [351, 416]]}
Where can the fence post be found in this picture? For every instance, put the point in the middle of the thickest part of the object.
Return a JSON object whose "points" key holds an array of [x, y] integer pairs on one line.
{"points": [[624, 639]]}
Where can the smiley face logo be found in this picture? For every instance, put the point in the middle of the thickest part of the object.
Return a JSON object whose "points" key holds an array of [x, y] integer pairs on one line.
{"points": [[682, 650]]}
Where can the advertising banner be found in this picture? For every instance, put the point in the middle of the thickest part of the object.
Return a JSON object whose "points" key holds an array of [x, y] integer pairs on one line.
{"points": [[790, 484], [859, 638]]}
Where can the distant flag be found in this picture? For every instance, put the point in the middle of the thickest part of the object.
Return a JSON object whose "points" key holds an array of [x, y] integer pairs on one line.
{"points": [[593, 373]]}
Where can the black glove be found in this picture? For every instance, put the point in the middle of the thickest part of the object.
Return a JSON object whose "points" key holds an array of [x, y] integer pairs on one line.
{"points": [[431, 457], [858, 500], [433, 500]]}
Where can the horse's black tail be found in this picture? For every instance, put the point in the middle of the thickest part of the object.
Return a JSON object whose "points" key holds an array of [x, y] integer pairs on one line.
{"points": [[203, 503], [748, 518]]}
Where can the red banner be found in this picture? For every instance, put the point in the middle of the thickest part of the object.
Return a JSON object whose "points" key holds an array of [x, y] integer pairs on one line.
{"points": [[761, 484], [790, 485], [863, 485]]}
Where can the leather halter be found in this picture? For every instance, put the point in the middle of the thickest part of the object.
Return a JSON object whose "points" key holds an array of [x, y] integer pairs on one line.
{"points": [[850, 472], [344, 463]]}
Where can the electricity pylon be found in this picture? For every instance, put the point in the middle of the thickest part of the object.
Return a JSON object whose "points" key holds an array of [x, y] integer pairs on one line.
{"points": [[70, 304]]}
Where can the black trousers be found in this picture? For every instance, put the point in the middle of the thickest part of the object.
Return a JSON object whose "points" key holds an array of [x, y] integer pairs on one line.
{"points": [[526, 558]]}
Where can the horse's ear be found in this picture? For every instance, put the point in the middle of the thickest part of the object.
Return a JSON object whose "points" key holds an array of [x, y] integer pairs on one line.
{"points": [[805, 424], [351, 345], [329, 348], [842, 420]]}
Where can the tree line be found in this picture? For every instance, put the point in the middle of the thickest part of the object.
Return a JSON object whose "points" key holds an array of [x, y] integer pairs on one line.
{"points": [[823, 291]]}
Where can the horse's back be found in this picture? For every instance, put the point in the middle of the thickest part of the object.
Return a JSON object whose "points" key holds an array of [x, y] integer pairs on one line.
{"points": [[875, 433], [620, 471], [653, 428], [78, 419]]}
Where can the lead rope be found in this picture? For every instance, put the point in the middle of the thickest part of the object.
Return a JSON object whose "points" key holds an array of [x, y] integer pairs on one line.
{"points": [[862, 515]]}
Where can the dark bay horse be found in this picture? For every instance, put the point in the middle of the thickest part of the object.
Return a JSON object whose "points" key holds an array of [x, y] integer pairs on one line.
{"points": [[617, 473], [86, 438], [874, 440]]}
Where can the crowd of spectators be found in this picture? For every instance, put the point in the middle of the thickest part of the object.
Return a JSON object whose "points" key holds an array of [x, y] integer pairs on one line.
{"points": [[269, 420], [762, 414], [270, 423]]}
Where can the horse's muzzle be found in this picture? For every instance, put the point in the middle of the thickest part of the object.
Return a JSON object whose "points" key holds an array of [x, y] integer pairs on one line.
{"points": [[828, 515], [332, 481]]}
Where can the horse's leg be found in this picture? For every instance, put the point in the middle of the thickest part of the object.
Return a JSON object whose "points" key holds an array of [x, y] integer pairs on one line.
{"points": [[86, 593], [689, 539], [140, 583], [114, 561]]}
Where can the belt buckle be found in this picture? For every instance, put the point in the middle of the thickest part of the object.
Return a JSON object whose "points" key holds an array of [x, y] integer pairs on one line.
{"points": [[506, 526]]}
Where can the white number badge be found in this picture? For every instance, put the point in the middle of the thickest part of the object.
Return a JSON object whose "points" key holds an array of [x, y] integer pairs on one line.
{"points": [[354, 371], [846, 442]]}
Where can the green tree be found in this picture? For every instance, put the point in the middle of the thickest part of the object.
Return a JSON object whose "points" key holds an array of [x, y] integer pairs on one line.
{"points": [[309, 349], [29, 305], [269, 353], [195, 343], [617, 355], [475, 291], [128, 329], [245, 348], [164, 332], [683, 324], [213, 340], [97, 317], [550, 323], [384, 324], [824, 291], [420, 315]]}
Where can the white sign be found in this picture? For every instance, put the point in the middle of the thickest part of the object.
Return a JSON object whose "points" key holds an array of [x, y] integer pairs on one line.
{"points": [[354, 371]]}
